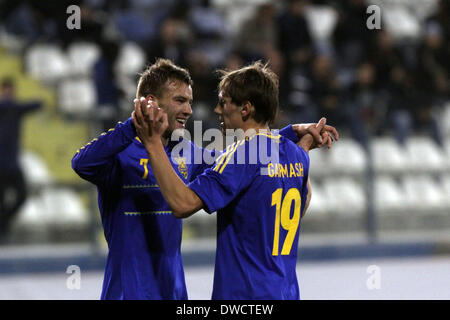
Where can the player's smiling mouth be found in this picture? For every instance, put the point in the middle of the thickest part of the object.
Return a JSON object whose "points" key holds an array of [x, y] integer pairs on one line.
{"points": [[182, 120]]}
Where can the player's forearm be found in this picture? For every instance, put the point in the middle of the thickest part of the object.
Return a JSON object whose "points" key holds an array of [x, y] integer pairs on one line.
{"points": [[306, 142], [182, 200], [308, 198]]}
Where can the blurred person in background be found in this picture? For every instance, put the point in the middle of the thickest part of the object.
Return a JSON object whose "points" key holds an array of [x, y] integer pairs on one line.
{"points": [[13, 192], [394, 82], [361, 101], [326, 96], [294, 37], [174, 36], [106, 84], [37, 20], [257, 36], [432, 80], [351, 38], [202, 73]]}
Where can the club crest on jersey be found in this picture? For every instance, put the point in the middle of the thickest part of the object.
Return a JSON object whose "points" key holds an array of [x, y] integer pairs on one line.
{"points": [[182, 168]]}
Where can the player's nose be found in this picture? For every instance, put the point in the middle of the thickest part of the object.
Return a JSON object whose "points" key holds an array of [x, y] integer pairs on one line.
{"points": [[218, 110], [187, 109]]}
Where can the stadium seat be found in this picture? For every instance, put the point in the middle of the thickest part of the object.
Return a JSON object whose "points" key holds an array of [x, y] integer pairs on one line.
{"points": [[34, 169], [317, 162], [82, 56], [445, 184], [131, 59], [425, 155], [445, 120], [447, 151], [388, 155], [423, 193], [318, 206], [47, 63], [389, 195], [401, 23], [76, 97], [237, 15], [347, 156], [64, 207], [33, 213], [345, 196], [321, 21]]}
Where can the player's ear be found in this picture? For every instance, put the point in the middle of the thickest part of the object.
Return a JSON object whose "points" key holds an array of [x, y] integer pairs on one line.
{"points": [[247, 110], [150, 97]]}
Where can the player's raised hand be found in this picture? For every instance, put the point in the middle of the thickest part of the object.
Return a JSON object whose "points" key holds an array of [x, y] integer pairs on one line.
{"points": [[150, 120], [308, 141], [326, 136]]}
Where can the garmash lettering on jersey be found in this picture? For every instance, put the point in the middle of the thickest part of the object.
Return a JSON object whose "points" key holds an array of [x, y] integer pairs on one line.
{"points": [[287, 170]]}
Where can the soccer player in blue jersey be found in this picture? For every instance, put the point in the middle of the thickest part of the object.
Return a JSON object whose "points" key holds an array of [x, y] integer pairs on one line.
{"points": [[144, 238], [259, 205]]}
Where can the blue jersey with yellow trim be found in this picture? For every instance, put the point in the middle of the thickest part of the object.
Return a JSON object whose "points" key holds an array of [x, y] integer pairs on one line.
{"points": [[258, 204], [144, 238]]}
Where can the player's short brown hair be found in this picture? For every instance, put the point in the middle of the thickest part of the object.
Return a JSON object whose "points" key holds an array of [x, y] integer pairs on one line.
{"points": [[256, 84], [154, 78]]}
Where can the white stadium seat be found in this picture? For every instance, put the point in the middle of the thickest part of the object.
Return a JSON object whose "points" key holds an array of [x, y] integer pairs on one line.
{"points": [[34, 168], [389, 195], [444, 120], [423, 193], [82, 56], [317, 162], [445, 184], [77, 96], [53, 207], [319, 201], [424, 154], [131, 59], [347, 156], [401, 23], [447, 152], [33, 213], [47, 63], [64, 207], [388, 155], [321, 21], [345, 196]]}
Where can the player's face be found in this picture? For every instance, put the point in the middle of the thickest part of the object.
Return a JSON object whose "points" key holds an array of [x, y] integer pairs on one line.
{"points": [[229, 113], [176, 102]]}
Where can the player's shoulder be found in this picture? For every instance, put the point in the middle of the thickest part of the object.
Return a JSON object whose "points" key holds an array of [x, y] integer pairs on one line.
{"points": [[293, 150]]}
